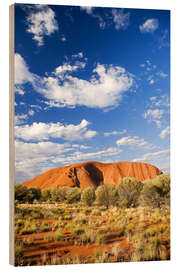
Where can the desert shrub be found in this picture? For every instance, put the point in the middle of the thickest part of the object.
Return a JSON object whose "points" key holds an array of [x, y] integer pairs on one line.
{"points": [[44, 227], [95, 212], [88, 196], [102, 230], [59, 194], [162, 181], [19, 253], [80, 221], [129, 190], [156, 192], [101, 239], [151, 231], [130, 228], [46, 195], [73, 195], [34, 193], [29, 227], [49, 237], [106, 195], [20, 193], [59, 235], [77, 231], [36, 214], [150, 196]]}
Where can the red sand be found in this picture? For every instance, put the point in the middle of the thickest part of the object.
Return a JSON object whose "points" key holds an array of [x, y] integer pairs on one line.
{"points": [[93, 174]]}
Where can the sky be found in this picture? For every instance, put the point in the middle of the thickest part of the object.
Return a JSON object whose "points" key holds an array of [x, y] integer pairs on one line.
{"points": [[90, 84]]}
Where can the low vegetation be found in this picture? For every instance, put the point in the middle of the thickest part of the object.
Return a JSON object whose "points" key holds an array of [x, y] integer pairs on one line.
{"points": [[130, 222]]}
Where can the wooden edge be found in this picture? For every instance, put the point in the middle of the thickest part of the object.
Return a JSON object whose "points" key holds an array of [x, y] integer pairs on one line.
{"points": [[11, 135]]}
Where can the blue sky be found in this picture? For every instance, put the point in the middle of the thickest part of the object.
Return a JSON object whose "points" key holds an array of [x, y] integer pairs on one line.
{"points": [[90, 84]]}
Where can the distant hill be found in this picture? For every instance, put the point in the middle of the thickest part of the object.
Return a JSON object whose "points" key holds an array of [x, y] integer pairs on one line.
{"points": [[93, 174]]}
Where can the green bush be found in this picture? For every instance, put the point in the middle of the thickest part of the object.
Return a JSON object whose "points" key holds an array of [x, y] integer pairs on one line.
{"points": [[129, 190], [59, 235], [59, 194], [49, 237], [106, 195], [156, 192], [101, 239], [46, 195], [33, 194], [77, 231], [88, 196], [18, 253], [20, 193], [73, 195]]}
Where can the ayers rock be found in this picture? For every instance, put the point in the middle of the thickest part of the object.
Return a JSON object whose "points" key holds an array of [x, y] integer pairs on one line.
{"points": [[93, 174]]}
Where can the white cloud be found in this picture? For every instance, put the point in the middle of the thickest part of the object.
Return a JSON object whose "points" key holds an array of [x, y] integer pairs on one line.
{"points": [[134, 141], [44, 131], [68, 68], [89, 10], [78, 55], [165, 132], [41, 23], [35, 106], [149, 26], [22, 73], [121, 19], [35, 158], [164, 39], [63, 38], [159, 101], [162, 74], [151, 81], [18, 89], [160, 159], [104, 89], [80, 156], [154, 115], [31, 112], [20, 119], [106, 134]]}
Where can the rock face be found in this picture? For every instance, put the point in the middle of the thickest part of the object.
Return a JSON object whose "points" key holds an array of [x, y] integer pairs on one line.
{"points": [[93, 174]]}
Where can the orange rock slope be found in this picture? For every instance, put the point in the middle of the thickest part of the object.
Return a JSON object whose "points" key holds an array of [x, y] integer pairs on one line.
{"points": [[93, 173]]}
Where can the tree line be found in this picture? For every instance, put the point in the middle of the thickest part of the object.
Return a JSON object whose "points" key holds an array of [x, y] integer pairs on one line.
{"points": [[128, 193]]}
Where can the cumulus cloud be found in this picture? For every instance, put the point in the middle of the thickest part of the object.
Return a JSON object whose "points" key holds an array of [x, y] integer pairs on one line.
{"points": [[120, 19], [165, 132], [115, 132], [22, 73], [104, 89], [154, 115], [44, 131], [149, 26], [134, 141], [41, 22]]}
